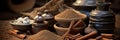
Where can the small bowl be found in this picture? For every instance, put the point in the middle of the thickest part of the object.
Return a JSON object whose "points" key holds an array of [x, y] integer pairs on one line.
{"points": [[60, 30], [21, 27]]}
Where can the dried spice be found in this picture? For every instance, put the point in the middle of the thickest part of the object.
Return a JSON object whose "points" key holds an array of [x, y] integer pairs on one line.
{"points": [[69, 14], [43, 35]]}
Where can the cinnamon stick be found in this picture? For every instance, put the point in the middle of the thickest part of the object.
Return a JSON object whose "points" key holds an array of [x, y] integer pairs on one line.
{"points": [[76, 36], [77, 23], [92, 39], [99, 37], [14, 33], [106, 39], [88, 35], [107, 35], [70, 27]]}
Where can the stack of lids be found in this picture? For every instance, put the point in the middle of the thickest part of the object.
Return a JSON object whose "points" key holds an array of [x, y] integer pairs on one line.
{"points": [[68, 15]]}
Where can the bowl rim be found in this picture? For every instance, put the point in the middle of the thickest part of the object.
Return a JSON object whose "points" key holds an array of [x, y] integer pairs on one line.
{"points": [[11, 22]]}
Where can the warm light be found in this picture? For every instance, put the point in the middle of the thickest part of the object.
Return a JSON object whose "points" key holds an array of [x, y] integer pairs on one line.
{"points": [[79, 1]]}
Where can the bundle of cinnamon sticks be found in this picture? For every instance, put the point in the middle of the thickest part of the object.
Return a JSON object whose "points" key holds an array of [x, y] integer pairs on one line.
{"points": [[89, 36]]}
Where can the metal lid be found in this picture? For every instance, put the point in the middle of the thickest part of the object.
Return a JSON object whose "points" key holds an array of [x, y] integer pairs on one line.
{"points": [[39, 18], [85, 3], [47, 16]]}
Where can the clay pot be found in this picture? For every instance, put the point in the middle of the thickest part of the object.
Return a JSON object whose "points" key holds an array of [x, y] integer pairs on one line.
{"points": [[107, 19], [102, 19], [84, 5], [39, 26], [61, 30], [20, 5], [22, 28], [104, 27]]}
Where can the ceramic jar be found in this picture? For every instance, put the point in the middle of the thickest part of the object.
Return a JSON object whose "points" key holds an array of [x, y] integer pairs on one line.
{"points": [[40, 23], [84, 4], [102, 19]]}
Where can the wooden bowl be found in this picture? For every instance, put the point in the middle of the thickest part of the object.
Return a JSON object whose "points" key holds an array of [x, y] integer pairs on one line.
{"points": [[61, 30]]}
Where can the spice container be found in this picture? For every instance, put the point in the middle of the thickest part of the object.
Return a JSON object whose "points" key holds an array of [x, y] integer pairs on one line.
{"points": [[39, 18], [22, 28], [22, 24], [50, 19], [39, 24], [64, 18], [61, 30], [102, 19], [84, 4]]}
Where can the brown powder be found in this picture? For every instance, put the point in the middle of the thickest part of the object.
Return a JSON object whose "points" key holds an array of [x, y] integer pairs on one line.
{"points": [[70, 14], [44, 35]]}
